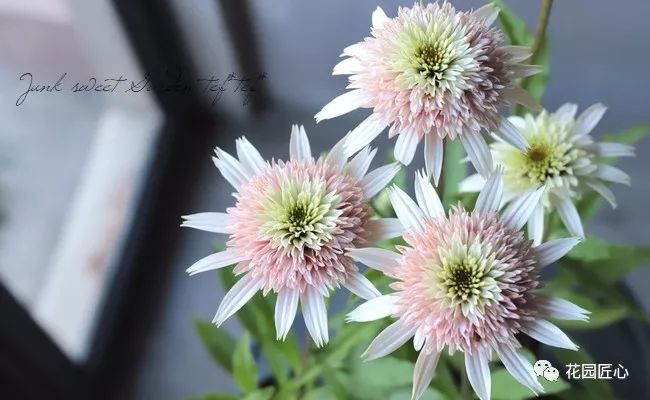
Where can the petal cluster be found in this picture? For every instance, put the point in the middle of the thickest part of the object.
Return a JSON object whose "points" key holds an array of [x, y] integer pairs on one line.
{"points": [[466, 281], [429, 73], [292, 226]]}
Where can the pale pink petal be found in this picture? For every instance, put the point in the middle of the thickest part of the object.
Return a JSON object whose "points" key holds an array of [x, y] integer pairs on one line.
{"points": [[557, 308], [489, 199], [343, 104], [536, 224], [374, 309], [478, 373], [209, 221], [551, 251], [407, 211], [510, 134], [285, 311], [377, 179], [385, 228], [249, 157], [315, 315], [364, 133], [375, 257], [425, 366], [299, 149], [569, 216], [378, 17], [237, 296], [547, 333], [519, 211], [478, 152], [216, 261], [427, 197], [405, 146], [361, 286], [359, 165], [389, 340], [519, 367], [434, 150]]}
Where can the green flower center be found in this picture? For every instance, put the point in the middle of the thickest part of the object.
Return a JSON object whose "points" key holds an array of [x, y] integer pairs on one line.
{"points": [[301, 214], [431, 60], [546, 160], [467, 275], [463, 279]]}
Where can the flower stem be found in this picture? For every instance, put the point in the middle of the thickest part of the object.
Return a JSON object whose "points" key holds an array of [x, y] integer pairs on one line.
{"points": [[542, 24], [540, 36]]}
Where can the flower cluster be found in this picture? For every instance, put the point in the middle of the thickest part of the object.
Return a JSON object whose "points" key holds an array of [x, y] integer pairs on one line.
{"points": [[465, 280]]}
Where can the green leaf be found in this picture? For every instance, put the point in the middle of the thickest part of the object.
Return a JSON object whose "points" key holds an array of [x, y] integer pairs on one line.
{"points": [[387, 372], [610, 262], [453, 170], [261, 394], [628, 136], [215, 396], [514, 28], [505, 387], [244, 368], [321, 393], [218, 342], [405, 394]]}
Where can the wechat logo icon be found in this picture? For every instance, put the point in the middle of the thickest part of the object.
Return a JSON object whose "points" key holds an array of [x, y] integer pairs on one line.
{"points": [[545, 369]]}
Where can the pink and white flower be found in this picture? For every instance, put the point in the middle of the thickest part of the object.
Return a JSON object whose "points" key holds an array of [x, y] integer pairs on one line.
{"points": [[564, 157], [433, 73], [292, 226], [466, 282]]}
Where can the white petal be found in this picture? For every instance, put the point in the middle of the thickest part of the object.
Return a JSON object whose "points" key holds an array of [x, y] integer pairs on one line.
{"points": [[434, 150], [315, 315], [607, 149], [557, 308], [589, 118], [478, 152], [520, 96], [518, 53], [216, 261], [524, 70], [419, 339], [342, 104], [488, 13], [566, 112], [230, 168], [299, 149], [427, 196], [547, 333], [385, 228], [489, 199], [389, 340], [510, 134], [348, 66], [216, 222], [236, 297], [363, 134], [612, 174], [478, 373], [551, 251], [473, 183], [378, 17], [285, 311], [405, 146], [336, 157], [536, 224], [374, 309], [352, 50], [374, 257], [377, 179], [361, 286], [519, 210], [425, 366], [604, 191], [358, 166], [249, 157], [569, 216], [519, 367], [407, 211]]}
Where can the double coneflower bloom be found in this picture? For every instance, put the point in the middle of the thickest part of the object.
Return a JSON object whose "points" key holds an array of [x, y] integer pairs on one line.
{"points": [[433, 73], [292, 226]]}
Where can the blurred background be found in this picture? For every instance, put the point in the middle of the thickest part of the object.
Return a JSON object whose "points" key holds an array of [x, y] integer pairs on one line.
{"points": [[93, 289]]}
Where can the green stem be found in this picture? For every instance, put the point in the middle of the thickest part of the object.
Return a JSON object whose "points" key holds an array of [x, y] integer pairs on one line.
{"points": [[540, 35], [542, 24]]}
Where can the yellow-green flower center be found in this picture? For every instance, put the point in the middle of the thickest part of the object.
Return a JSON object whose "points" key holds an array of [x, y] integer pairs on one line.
{"points": [[431, 60]]}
